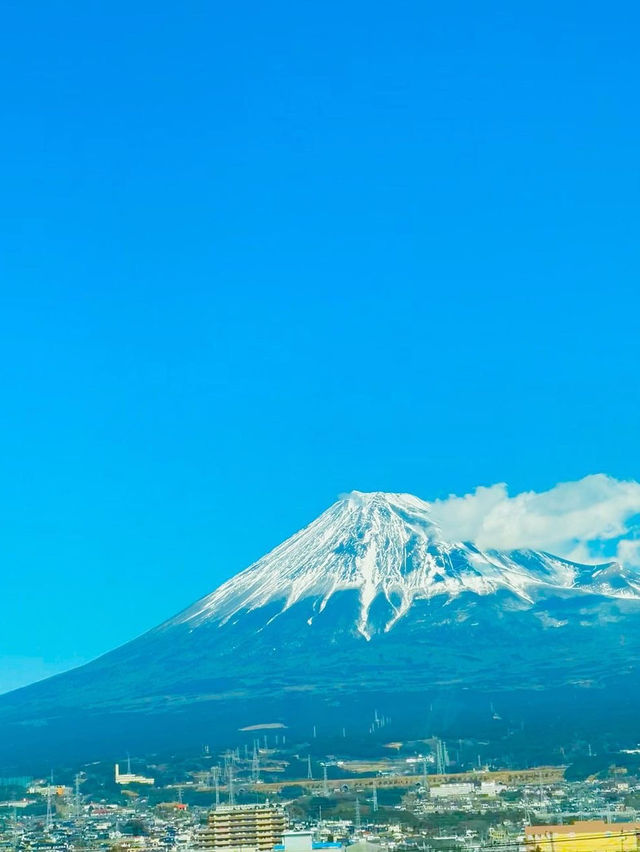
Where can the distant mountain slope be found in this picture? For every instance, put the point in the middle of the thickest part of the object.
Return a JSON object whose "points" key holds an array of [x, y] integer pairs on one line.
{"points": [[367, 607]]}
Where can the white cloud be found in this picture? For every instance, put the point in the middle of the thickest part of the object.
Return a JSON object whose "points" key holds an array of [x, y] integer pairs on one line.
{"points": [[629, 552], [578, 520]]}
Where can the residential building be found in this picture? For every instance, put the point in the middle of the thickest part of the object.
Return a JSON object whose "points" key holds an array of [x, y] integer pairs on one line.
{"points": [[256, 827]]}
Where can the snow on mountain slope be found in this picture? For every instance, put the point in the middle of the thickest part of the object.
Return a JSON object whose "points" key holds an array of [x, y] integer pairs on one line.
{"points": [[387, 544]]}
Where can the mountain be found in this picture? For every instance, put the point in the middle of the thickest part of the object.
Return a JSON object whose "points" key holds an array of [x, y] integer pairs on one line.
{"points": [[366, 611]]}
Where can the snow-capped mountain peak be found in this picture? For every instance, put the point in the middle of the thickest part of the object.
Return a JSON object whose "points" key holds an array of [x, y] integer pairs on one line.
{"points": [[382, 544]]}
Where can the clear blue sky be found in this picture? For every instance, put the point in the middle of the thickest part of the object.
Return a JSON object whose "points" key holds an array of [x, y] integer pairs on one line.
{"points": [[256, 254]]}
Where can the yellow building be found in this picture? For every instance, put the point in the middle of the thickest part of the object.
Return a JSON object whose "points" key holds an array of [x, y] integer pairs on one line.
{"points": [[256, 827], [588, 836]]}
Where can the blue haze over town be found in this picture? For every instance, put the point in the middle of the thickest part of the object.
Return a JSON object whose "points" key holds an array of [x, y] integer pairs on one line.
{"points": [[321, 490]]}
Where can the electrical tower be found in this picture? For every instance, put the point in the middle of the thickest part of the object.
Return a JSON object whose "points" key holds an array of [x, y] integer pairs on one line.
{"points": [[48, 825], [358, 821], [216, 782], [77, 801], [14, 833], [255, 766], [442, 758], [309, 772], [325, 782], [232, 799], [375, 797]]}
